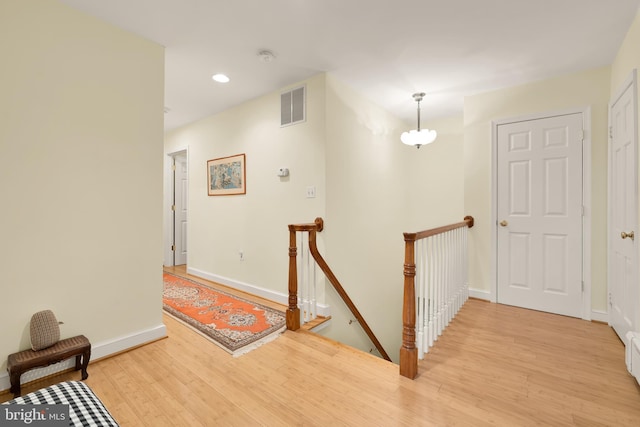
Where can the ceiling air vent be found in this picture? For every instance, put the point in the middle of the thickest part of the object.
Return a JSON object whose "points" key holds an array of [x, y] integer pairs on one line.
{"points": [[292, 107]]}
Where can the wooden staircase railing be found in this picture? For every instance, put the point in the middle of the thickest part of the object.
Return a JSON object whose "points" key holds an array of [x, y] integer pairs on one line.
{"points": [[293, 312], [442, 290]]}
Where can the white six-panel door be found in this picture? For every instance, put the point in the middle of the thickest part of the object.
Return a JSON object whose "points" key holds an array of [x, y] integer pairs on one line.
{"points": [[623, 214], [181, 186], [539, 214]]}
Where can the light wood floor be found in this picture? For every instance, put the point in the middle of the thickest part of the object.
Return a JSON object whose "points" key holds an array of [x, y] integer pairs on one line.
{"points": [[494, 365]]}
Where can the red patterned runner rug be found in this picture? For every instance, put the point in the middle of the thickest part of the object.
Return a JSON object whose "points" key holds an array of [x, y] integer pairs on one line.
{"points": [[235, 324]]}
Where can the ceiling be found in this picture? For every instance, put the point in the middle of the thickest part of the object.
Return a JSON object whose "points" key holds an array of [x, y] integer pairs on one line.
{"points": [[385, 49]]}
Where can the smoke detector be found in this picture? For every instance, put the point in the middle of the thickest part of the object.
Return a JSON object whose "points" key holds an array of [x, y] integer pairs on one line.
{"points": [[266, 56]]}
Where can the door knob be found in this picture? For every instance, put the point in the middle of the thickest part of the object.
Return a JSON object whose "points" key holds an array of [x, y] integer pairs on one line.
{"points": [[504, 223], [629, 235]]}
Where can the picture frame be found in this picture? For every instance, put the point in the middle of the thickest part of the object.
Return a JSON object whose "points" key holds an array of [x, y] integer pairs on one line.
{"points": [[226, 176]]}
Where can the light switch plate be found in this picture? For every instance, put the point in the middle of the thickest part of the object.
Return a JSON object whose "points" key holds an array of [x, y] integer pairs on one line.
{"points": [[311, 192]]}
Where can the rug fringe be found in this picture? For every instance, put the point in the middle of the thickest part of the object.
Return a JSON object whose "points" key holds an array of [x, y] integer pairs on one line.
{"points": [[241, 351], [264, 340]]}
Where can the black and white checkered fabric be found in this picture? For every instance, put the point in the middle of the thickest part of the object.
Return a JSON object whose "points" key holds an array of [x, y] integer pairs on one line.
{"points": [[85, 409]]}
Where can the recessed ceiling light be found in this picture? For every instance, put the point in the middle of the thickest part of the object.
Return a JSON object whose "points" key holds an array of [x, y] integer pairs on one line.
{"points": [[220, 78]]}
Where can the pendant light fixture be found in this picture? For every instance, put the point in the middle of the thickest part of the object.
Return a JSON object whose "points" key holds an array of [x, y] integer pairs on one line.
{"points": [[418, 137]]}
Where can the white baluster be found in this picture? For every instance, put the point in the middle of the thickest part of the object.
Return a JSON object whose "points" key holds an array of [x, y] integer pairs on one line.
{"points": [[459, 269], [447, 269], [314, 300], [303, 293], [466, 263], [434, 288], [445, 288], [419, 283], [431, 293], [439, 286], [454, 275], [307, 293], [441, 283], [456, 271]]}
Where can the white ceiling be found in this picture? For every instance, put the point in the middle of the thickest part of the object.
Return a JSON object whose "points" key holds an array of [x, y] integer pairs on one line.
{"points": [[386, 49]]}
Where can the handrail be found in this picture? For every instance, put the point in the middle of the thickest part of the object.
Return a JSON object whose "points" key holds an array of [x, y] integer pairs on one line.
{"points": [[408, 350], [468, 222], [293, 312]]}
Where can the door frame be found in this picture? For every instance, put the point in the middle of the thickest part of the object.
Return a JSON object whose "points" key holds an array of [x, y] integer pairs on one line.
{"points": [[168, 217], [630, 81], [586, 198]]}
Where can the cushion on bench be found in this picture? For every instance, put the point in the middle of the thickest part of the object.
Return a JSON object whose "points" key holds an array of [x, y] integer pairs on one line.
{"points": [[44, 330]]}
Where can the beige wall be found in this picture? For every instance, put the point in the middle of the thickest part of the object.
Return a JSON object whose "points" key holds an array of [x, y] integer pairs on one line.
{"points": [[378, 188], [585, 89], [437, 178], [625, 62], [370, 189], [367, 193], [218, 227], [627, 58], [81, 136]]}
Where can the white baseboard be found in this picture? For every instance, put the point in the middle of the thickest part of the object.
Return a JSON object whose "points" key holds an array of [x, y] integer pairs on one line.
{"points": [[600, 316], [632, 354], [323, 309], [98, 351], [480, 294], [597, 315]]}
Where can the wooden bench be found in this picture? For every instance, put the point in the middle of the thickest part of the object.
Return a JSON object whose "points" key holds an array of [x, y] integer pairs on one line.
{"points": [[23, 361]]}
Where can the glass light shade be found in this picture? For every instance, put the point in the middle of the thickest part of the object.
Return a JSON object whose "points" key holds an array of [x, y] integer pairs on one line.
{"points": [[418, 138]]}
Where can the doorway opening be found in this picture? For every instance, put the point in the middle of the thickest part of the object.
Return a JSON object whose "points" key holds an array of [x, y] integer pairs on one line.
{"points": [[176, 201]]}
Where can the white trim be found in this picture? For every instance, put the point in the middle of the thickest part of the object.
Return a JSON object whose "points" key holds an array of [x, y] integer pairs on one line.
{"points": [[586, 198], [480, 294], [117, 345], [586, 218], [493, 291], [323, 309], [630, 81], [321, 326], [632, 354], [98, 351], [600, 316], [166, 205]]}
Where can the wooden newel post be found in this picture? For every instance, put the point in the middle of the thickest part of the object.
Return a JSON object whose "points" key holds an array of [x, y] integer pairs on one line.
{"points": [[293, 312], [408, 351]]}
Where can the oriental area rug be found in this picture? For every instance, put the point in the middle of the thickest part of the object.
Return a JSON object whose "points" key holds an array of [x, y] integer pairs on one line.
{"points": [[235, 324]]}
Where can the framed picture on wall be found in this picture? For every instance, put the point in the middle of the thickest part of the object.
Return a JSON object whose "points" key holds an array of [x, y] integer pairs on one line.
{"points": [[226, 176]]}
